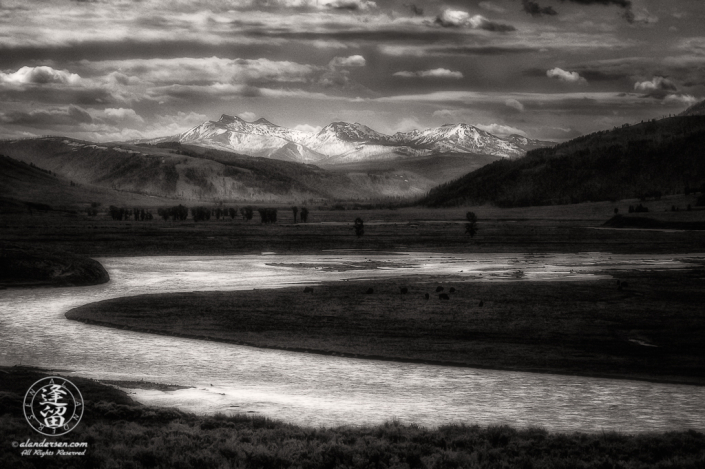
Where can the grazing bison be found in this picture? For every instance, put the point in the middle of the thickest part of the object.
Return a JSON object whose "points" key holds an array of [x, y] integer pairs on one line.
{"points": [[308, 290], [452, 290], [404, 290], [370, 291], [439, 289], [427, 296], [443, 296], [482, 303]]}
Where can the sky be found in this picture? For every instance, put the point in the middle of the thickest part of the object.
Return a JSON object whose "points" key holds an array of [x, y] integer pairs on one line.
{"points": [[114, 70]]}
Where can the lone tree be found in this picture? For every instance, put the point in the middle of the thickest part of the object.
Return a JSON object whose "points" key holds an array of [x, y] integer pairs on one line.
{"points": [[295, 211], [471, 225], [304, 214], [268, 215], [359, 227], [246, 213]]}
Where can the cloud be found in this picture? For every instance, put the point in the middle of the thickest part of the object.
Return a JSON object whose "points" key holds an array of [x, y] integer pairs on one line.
{"points": [[534, 9], [454, 50], [500, 130], [680, 98], [352, 61], [435, 73], [514, 104], [203, 70], [311, 129], [41, 75], [568, 77], [462, 19], [407, 124], [352, 5], [655, 84], [247, 116], [489, 6], [121, 116]]}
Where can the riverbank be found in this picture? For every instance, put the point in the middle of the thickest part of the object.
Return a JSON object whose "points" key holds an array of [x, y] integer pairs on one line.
{"points": [[28, 266], [649, 327], [121, 432]]}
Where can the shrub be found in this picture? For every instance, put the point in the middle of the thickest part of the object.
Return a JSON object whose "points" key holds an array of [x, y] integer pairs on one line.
{"points": [[359, 227]]}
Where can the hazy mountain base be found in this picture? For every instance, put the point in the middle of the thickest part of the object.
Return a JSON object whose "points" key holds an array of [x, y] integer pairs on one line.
{"points": [[642, 160], [122, 433], [172, 170]]}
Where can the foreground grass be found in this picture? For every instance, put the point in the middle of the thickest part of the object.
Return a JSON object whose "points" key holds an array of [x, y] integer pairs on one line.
{"points": [[651, 329], [121, 433]]}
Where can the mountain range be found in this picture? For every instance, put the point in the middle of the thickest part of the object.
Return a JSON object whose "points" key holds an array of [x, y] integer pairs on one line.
{"points": [[343, 142]]}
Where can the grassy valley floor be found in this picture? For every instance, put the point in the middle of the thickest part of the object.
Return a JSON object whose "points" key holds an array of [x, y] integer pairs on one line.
{"points": [[122, 433], [651, 329], [564, 228]]}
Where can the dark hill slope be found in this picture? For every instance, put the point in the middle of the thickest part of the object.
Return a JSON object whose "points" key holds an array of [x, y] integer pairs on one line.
{"points": [[25, 187], [633, 161]]}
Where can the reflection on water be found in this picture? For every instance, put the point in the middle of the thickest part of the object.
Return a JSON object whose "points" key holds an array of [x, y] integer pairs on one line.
{"points": [[321, 390]]}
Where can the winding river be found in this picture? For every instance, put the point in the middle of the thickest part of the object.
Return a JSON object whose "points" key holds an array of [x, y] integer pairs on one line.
{"points": [[316, 390]]}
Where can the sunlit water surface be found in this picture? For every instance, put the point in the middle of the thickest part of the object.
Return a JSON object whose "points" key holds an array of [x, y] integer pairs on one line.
{"points": [[322, 390]]}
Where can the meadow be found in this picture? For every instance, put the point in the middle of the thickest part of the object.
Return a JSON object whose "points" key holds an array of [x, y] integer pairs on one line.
{"points": [[558, 228]]}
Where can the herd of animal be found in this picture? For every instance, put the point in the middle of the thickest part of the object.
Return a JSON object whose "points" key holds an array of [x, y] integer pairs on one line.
{"points": [[405, 291]]}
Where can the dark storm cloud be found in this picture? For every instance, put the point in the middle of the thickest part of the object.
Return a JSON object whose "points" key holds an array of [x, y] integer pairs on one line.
{"points": [[417, 11], [377, 36], [619, 3], [484, 50], [107, 50], [597, 75], [188, 93], [534, 9], [84, 96], [48, 117]]}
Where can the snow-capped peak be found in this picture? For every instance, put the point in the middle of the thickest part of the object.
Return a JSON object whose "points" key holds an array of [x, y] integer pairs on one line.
{"points": [[340, 142]]}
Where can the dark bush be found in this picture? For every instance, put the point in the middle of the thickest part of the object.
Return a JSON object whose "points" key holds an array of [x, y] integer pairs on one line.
{"points": [[359, 227]]}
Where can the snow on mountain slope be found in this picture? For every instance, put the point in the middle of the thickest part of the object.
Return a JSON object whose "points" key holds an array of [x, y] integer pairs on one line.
{"points": [[260, 138], [460, 138], [342, 142]]}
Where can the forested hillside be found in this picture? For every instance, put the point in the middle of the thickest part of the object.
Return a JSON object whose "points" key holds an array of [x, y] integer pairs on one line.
{"points": [[649, 159]]}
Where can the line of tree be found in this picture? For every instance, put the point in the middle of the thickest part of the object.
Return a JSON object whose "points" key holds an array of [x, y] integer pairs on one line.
{"points": [[200, 213], [268, 215], [177, 213], [121, 213], [304, 213], [638, 209]]}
